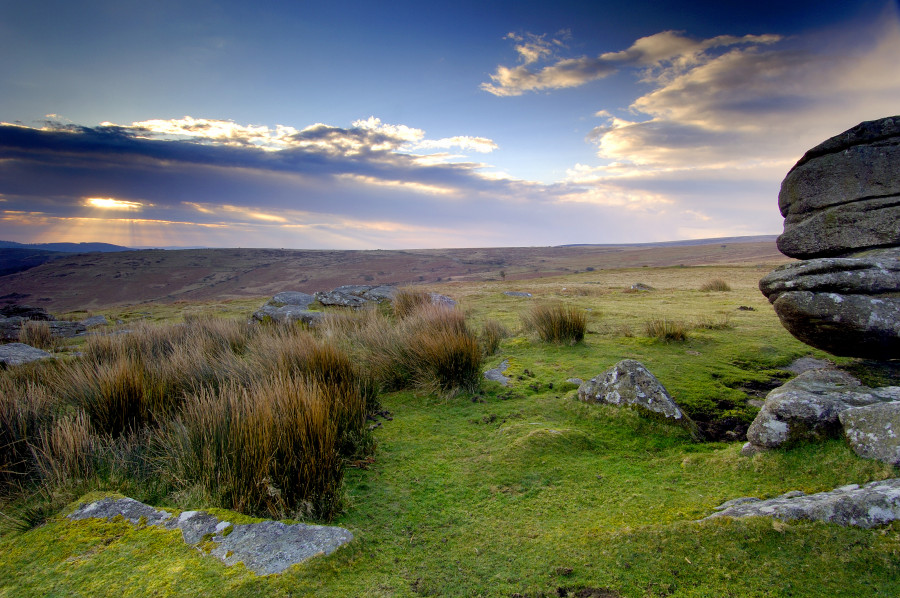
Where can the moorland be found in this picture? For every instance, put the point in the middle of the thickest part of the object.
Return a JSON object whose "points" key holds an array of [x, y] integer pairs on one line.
{"points": [[452, 485]]}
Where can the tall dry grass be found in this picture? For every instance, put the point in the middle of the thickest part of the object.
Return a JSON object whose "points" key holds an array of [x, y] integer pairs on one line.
{"points": [[556, 322], [37, 333], [269, 449]]}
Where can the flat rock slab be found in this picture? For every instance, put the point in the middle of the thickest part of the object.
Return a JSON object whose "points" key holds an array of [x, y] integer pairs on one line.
{"points": [[874, 504], [264, 548], [20, 354], [516, 294], [496, 374]]}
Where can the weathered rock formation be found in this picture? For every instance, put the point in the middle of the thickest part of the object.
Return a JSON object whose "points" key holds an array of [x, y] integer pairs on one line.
{"points": [[264, 548], [841, 204], [808, 408], [874, 504], [356, 295], [288, 307], [629, 383], [13, 317]]}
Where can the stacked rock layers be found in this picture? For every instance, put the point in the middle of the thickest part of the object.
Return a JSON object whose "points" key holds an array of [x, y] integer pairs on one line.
{"points": [[841, 204]]}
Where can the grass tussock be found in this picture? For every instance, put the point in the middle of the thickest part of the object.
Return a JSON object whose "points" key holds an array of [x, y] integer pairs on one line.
{"points": [[492, 332], [719, 322], [408, 301], [716, 284], [125, 413], [556, 323], [268, 449], [665, 330], [37, 333]]}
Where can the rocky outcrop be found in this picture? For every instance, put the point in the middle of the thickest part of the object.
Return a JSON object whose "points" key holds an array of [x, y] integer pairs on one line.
{"points": [[808, 408], [874, 504], [26, 312], [264, 548], [843, 195], [288, 307], [842, 305], [356, 295], [874, 432], [629, 383], [841, 204], [20, 354]]}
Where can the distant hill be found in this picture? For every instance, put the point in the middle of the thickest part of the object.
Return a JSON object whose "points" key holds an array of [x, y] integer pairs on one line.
{"points": [[97, 280], [18, 257], [65, 247]]}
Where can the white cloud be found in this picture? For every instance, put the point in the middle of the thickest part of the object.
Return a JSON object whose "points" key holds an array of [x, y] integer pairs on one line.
{"points": [[668, 48]]}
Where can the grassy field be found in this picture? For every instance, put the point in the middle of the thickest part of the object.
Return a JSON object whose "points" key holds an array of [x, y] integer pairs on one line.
{"points": [[525, 491]]}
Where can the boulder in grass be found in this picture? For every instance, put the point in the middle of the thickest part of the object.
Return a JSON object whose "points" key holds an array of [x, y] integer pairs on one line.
{"points": [[872, 505], [808, 408], [20, 354], [874, 431], [629, 383]]}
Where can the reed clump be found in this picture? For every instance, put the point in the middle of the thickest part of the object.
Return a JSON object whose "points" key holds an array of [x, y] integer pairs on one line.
{"points": [[716, 285], [556, 323], [666, 330]]}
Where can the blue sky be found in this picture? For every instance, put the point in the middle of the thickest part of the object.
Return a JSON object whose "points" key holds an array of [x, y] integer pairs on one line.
{"points": [[408, 124]]}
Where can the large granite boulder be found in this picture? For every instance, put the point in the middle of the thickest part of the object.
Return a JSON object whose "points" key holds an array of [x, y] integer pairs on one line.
{"points": [[629, 383], [808, 408], [874, 431], [841, 204]]}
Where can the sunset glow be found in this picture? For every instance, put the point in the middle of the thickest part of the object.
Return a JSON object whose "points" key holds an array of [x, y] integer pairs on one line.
{"points": [[435, 124]]}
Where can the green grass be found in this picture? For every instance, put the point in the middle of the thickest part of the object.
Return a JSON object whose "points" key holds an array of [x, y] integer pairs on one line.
{"points": [[526, 491]]}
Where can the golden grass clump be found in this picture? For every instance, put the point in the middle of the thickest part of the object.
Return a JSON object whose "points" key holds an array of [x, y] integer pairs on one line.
{"points": [[268, 449], [556, 322], [492, 332], [37, 333], [666, 330], [717, 284], [407, 301]]}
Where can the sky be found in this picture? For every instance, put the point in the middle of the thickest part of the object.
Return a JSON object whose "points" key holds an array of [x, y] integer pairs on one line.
{"points": [[390, 125]]}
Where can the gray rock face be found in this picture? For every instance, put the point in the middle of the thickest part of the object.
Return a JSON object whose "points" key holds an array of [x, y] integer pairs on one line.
{"points": [[630, 383], [288, 307], [852, 175], [20, 354], [874, 504], [25, 312], [874, 431], [264, 548], [808, 407], [356, 295], [95, 321], [10, 327], [841, 204], [295, 298], [271, 546], [67, 329], [496, 374]]}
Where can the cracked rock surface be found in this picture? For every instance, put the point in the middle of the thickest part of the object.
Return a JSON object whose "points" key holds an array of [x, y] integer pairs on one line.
{"points": [[265, 548]]}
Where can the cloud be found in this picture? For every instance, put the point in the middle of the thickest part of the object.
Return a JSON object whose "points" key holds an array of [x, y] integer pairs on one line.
{"points": [[669, 49]]}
